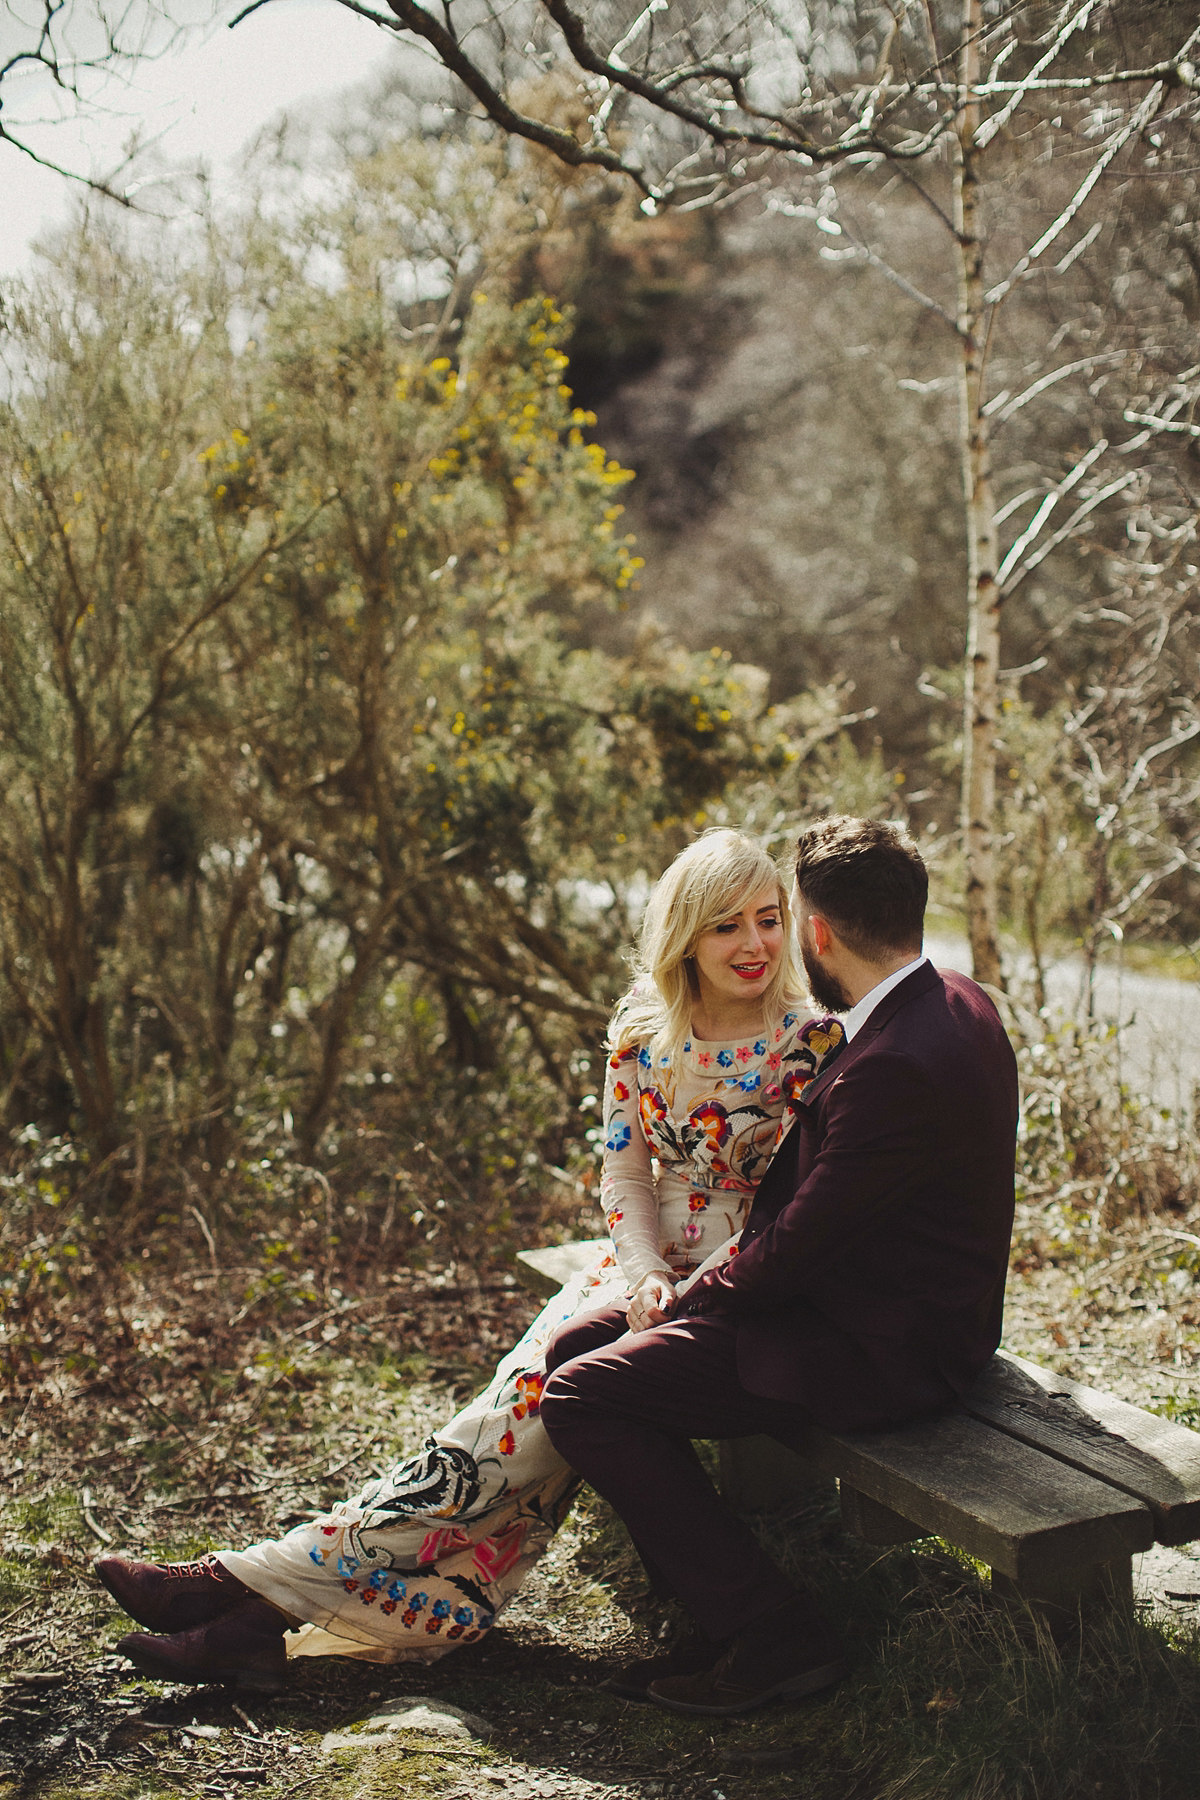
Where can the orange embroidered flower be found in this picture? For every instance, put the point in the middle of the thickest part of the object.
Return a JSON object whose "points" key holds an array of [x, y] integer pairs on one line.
{"points": [[652, 1108], [620, 1091], [713, 1121], [529, 1387], [507, 1444]]}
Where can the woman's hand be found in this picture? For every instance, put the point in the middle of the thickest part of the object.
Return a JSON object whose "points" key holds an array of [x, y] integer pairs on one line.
{"points": [[652, 1302]]}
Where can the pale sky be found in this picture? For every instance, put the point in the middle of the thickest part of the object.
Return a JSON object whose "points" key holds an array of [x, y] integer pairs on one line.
{"points": [[206, 99]]}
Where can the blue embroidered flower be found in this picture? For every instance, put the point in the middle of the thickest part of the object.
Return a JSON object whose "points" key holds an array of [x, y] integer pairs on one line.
{"points": [[317, 1557], [789, 1019], [724, 1059], [760, 1048], [748, 1083], [644, 1061], [618, 1136]]}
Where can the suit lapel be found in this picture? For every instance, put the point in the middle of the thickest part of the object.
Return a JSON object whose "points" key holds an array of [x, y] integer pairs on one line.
{"points": [[779, 1182], [919, 982]]}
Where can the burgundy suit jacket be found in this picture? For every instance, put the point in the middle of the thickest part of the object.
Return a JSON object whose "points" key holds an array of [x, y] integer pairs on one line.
{"points": [[869, 1286]]}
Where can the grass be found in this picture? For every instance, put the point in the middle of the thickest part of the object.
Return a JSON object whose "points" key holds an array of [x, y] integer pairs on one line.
{"points": [[951, 1697]]}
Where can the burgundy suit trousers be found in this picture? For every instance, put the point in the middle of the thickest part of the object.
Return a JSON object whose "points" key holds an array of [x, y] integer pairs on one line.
{"points": [[622, 1407]]}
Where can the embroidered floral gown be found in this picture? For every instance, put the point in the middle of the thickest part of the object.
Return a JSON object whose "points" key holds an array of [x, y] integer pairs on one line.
{"points": [[424, 1558]]}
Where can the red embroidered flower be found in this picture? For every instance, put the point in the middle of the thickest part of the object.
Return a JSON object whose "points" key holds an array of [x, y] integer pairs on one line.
{"points": [[620, 1091], [507, 1444], [696, 1203]]}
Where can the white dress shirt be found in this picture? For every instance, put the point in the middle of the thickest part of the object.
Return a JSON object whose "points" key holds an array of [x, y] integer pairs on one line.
{"points": [[858, 1015]]}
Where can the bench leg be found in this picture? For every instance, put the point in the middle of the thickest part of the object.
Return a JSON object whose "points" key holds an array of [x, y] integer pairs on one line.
{"points": [[1092, 1591]]}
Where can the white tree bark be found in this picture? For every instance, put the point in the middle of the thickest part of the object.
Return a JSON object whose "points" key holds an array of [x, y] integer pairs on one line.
{"points": [[984, 599]]}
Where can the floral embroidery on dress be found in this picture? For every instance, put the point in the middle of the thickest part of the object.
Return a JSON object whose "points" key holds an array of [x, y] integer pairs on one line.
{"points": [[710, 1131], [423, 1558]]}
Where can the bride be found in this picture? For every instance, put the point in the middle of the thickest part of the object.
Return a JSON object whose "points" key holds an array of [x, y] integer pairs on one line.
{"points": [[705, 1051]]}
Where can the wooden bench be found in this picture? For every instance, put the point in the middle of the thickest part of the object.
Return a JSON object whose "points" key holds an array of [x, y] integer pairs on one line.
{"points": [[1054, 1485]]}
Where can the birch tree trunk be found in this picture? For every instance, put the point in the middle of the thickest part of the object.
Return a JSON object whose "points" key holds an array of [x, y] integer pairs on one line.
{"points": [[983, 593]]}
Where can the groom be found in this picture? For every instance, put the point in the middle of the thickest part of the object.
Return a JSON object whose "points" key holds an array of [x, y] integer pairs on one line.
{"points": [[868, 1288]]}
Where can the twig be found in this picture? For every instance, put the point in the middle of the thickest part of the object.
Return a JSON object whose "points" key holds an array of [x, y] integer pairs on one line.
{"points": [[202, 1222], [355, 1455], [18, 1609], [1119, 139], [1070, 480], [335, 1312], [105, 1537], [990, 127]]}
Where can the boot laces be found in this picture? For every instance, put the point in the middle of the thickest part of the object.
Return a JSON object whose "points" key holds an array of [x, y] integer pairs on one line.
{"points": [[193, 1571]]}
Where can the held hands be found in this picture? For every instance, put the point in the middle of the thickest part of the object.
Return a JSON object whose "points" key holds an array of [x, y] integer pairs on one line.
{"points": [[652, 1302]]}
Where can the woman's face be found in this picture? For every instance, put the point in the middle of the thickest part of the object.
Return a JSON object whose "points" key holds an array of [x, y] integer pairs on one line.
{"points": [[736, 958]]}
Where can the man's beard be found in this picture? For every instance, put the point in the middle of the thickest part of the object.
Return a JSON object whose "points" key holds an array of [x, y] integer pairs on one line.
{"points": [[825, 989]]}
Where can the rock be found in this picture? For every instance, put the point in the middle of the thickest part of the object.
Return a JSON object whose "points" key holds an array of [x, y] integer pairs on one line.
{"points": [[410, 1712]]}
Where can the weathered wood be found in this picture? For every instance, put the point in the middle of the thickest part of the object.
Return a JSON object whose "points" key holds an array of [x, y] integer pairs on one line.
{"points": [[1150, 1458], [761, 1475], [545, 1271], [1053, 1484], [873, 1523], [1002, 1501], [1094, 1590]]}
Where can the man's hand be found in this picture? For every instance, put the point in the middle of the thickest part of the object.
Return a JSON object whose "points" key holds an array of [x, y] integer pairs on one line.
{"points": [[652, 1302]]}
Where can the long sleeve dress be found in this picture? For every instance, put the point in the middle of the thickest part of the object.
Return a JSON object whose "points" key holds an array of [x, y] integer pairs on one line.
{"points": [[424, 1558]]}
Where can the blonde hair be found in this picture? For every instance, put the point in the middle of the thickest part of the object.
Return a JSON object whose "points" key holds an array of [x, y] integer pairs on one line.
{"points": [[714, 878]]}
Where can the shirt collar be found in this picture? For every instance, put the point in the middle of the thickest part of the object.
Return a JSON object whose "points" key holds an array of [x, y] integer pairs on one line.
{"points": [[858, 1015]]}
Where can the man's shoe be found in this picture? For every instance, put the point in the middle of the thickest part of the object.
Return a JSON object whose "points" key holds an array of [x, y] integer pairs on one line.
{"points": [[243, 1650], [171, 1596], [690, 1656], [779, 1656]]}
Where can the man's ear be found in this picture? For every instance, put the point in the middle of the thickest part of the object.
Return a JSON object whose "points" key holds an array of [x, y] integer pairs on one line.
{"points": [[822, 935]]}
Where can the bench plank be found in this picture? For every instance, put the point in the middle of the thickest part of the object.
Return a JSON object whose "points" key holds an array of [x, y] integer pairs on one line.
{"points": [[545, 1271], [1001, 1500], [1150, 1458]]}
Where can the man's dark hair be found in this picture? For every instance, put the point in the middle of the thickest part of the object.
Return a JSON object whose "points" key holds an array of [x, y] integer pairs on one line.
{"points": [[868, 880]]}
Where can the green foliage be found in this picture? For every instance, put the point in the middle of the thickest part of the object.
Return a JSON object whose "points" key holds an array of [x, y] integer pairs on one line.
{"points": [[315, 788]]}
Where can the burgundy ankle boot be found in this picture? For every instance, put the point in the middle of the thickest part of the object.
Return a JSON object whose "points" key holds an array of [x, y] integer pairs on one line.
{"points": [[243, 1649], [171, 1596]]}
